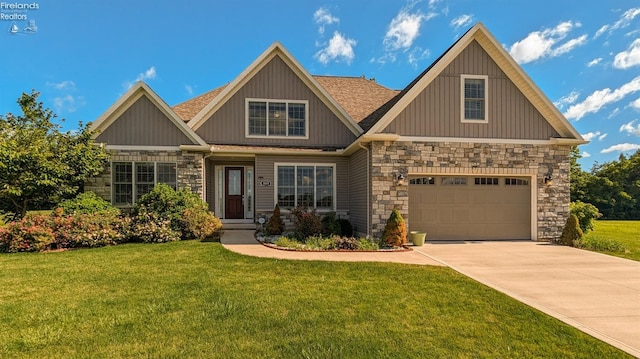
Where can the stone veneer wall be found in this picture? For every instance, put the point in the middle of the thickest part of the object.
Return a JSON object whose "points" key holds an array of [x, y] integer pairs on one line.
{"points": [[388, 159], [189, 165]]}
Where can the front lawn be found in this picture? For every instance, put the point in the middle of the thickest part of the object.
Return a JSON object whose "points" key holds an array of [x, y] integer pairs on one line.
{"points": [[195, 299], [607, 234]]}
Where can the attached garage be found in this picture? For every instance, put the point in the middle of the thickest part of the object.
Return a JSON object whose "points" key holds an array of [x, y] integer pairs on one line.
{"points": [[470, 207]]}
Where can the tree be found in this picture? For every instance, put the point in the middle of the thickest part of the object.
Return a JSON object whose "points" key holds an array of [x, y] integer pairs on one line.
{"points": [[39, 164]]}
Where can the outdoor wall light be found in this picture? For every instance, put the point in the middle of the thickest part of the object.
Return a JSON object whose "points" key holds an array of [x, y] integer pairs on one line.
{"points": [[400, 179], [548, 180]]}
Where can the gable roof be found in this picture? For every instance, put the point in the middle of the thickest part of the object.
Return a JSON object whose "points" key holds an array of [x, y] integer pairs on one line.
{"points": [[382, 117], [190, 108], [276, 49], [129, 98]]}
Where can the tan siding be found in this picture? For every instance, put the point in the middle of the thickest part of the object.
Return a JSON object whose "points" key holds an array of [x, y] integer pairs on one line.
{"points": [[265, 172], [275, 81], [143, 124], [358, 190], [436, 111]]}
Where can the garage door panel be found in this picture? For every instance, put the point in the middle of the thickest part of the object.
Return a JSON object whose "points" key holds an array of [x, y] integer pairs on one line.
{"points": [[466, 210]]}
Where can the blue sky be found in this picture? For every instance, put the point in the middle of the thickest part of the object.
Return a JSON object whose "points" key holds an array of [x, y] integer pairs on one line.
{"points": [[85, 54]]}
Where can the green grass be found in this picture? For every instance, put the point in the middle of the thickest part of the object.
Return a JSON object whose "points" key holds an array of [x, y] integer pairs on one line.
{"points": [[194, 299], [617, 238]]}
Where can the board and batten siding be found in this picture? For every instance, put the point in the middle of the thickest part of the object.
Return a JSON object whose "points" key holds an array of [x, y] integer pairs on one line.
{"points": [[436, 111], [143, 124], [358, 190], [275, 81], [265, 171]]}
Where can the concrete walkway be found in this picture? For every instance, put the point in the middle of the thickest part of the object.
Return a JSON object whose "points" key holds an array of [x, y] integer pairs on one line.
{"points": [[595, 293]]}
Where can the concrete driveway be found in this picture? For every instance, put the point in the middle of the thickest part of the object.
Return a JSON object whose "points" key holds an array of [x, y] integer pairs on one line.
{"points": [[595, 293]]}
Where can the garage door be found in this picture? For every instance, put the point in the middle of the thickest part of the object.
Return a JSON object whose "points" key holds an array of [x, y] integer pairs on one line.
{"points": [[470, 208]]}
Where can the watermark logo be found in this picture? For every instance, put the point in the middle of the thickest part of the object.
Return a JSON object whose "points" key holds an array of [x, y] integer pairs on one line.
{"points": [[19, 16]]}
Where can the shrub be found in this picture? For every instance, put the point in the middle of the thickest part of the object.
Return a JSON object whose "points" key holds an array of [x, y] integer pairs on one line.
{"points": [[395, 232], [344, 243], [87, 203], [275, 225], [319, 242], [169, 204], [148, 227], [586, 213], [571, 232], [597, 243], [307, 223], [346, 229], [88, 230], [287, 242], [31, 234], [368, 244], [198, 224], [330, 225]]}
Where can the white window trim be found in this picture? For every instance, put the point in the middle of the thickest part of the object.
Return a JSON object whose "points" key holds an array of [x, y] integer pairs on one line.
{"points": [[306, 118], [486, 98], [133, 180], [314, 164]]}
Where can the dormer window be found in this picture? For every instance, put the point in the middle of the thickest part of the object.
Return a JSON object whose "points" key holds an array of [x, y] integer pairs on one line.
{"points": [[474, 98], [276, 118]]}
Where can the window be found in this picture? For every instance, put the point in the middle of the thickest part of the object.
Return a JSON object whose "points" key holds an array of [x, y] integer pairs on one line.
{"points": [[423, 180], [491, 181], [131, 180], [306, 185], [453, 181], [516, 182], [276, 118], [474, 98]]}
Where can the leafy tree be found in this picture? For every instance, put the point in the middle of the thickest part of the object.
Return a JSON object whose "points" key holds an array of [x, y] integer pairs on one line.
{"points": [[39, 164]]}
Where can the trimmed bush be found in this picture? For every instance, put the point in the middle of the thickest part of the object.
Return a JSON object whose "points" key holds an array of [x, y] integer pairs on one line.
{"points": [[330, 225], [571, 233], [149, 227], [88, 203], [88, 230], [198, 224], [395, 232], [30, 234], [586, 213], [275, 224], [307, 223]]}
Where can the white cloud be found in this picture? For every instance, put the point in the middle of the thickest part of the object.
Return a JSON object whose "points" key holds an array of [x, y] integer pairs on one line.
{"points": [[64, 85], [189, 89], [150, 74], [594, 62], [624, 21], [600, 98], [623, 147], [591, 135], [323, 17], [67, 103], [541, 44], [339, 48], [631, 128], [613, 113], [404, 29], [628, 58], [585, 154], [461, 21], [602, 137], [567, 100], [416, 55], [635, 104]]}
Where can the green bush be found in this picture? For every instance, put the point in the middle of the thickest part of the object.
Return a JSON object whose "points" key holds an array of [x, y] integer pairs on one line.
{"points": [[330, 225], [30, 234], [600, 244], [319, 242], [346, 229], [395, 231], [149, 227], [306, 223], [275, 225], [184, 211], [368, 244], [286, 242], [571, 233], [87, 230], [87, 203], [586, 213]]}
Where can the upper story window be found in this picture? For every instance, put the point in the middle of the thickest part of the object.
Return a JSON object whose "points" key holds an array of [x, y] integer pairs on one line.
{"points": [[474, 98], [277, 118]]}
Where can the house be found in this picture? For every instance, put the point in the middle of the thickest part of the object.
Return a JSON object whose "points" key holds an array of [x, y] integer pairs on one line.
{"points": [[470, 149]]}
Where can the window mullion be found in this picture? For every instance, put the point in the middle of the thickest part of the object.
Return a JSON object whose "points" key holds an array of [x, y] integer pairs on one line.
{"points": [[133, 182], [315, 186]]}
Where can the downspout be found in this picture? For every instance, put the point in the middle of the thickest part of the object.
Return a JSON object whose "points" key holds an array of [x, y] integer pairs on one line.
{"points": [[368, 191]]}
